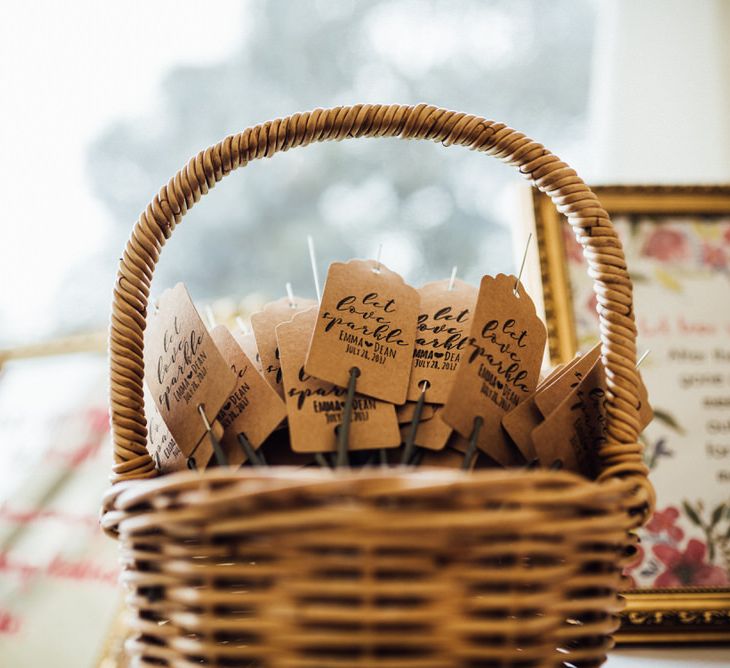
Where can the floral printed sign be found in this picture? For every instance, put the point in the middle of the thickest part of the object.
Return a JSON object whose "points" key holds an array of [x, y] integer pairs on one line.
{"points": [[680, 266]]}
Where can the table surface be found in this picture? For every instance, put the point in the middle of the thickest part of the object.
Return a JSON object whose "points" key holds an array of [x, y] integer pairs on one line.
{"points": [[669, 657]]}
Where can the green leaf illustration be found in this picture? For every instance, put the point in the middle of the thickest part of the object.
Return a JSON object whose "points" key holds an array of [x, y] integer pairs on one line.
{"points": [[668, 419], [717, 515], [691, 513]]}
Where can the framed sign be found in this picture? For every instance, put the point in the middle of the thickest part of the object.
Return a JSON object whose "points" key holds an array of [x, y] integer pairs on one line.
{"points": [[677, 245]]}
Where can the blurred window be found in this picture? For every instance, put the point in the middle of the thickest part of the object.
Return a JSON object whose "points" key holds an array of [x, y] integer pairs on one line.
{"points": [[142, 90]]}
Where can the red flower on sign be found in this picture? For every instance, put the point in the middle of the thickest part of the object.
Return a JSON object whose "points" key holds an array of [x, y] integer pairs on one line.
{"points": [[9, 623], [688, 568], [666, 244], [665, 520]]}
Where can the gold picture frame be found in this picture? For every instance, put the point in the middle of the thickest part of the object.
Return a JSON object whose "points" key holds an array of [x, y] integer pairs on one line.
{"points": [[651, 615]]}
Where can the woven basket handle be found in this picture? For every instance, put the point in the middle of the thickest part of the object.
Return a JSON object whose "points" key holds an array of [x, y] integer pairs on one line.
{"points": [[621, 455]]}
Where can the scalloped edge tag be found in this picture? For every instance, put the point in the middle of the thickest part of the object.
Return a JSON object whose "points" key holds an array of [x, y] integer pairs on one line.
{"points": [[367, 319]]}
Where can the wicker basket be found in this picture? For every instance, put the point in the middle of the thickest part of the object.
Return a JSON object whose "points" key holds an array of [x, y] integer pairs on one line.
{"points": [[394, 568]]}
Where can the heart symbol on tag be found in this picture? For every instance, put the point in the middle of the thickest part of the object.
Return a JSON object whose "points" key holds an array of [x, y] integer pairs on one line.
{"points": [[227, 406], [190, 375], [369, 344], [438, 355]]}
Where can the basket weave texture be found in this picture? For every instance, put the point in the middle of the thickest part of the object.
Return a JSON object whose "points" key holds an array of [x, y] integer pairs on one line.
{"points": [[396, 568]]}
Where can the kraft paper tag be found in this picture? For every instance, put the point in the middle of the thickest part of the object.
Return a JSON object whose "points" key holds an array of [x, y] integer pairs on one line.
{"points": [[367, 320], [442, 335], [523, 418], [184, 369], [253, 409], [247, 341], [161, 445], [264, 325], [550, 395], [519, 424], [576, 430], [431, 434], [165, 451], [500, 367], [406, 411], [315, 406], [646, 412]]}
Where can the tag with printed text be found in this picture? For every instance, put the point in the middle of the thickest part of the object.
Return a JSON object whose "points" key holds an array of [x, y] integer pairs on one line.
{"points": [[523, 418], [576, 430], [442, 335], [500, 367], [315, 406], [551, 394], [264, 325], [183, 368], [367, 319], [161, 445], [253, 409]]}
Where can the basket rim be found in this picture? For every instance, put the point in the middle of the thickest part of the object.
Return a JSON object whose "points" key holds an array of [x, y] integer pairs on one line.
{"points": [[137, 497]]}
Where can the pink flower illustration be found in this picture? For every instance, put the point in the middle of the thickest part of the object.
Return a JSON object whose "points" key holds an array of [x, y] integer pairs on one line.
{"points": [[688, 568], [665, 520], [714, 256], [666, 244]]}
